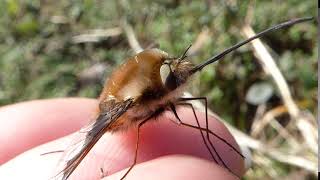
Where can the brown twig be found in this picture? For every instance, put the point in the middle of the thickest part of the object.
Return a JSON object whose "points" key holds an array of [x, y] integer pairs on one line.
{"points": [[308, 131], [132, 40], [96, 35], [200, 41], [259, 124]]}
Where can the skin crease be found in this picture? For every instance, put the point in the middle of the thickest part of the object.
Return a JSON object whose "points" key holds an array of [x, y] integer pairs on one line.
{"points": [[167, 151]]}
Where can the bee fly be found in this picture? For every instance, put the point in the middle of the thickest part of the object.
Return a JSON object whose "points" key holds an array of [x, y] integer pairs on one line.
{"points": [[136, 92]]}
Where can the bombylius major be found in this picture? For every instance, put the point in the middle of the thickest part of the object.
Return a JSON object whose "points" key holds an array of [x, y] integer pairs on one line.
{"points": [[136, 92]]}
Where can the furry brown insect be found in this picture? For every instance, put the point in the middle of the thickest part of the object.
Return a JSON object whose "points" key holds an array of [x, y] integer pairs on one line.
{"points": [[136, 92]]}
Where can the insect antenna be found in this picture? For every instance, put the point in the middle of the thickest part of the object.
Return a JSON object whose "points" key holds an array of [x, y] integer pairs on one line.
{"points": [[260, 34], [184, 55], [181, 58]]}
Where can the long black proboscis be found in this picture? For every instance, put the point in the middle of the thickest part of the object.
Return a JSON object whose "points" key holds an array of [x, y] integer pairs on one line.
{"points": [[262, 33]]}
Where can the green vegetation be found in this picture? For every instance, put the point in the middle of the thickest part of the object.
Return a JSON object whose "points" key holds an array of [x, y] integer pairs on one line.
{"points": [[39, 58]]}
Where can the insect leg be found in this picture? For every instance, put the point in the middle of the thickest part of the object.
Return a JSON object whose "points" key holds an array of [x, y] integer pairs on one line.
{"points": [[173, 108], [102, 173], [137, 146], [210, 132], [207, 131], [52, 152]]}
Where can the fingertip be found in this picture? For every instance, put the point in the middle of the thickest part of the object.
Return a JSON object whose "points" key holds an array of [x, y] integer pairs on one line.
{"points": [[32, 164], [28, 124], [158, 138], [175, 167]]}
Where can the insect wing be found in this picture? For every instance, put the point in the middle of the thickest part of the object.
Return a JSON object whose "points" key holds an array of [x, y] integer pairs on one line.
{"points": [[87, 137]]}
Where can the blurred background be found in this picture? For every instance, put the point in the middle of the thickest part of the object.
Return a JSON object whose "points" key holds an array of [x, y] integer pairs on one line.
{"points": [[67, 48]]}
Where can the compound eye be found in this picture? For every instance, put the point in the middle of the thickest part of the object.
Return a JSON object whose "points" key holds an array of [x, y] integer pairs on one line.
{"points": [[168, 76], [171, 81]]}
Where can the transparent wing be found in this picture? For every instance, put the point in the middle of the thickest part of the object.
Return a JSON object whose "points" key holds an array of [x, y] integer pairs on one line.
{"points": [[87, 137]]}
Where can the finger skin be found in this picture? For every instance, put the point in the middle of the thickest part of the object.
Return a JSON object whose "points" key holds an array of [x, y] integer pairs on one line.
{"points": [[115, 152], [29, 124], [175, 167]]}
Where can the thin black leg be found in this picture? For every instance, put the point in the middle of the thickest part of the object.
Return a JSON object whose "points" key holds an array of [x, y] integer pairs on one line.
{"points": [[195, 115], [137, 147], [207, 132], [102, 173]]}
